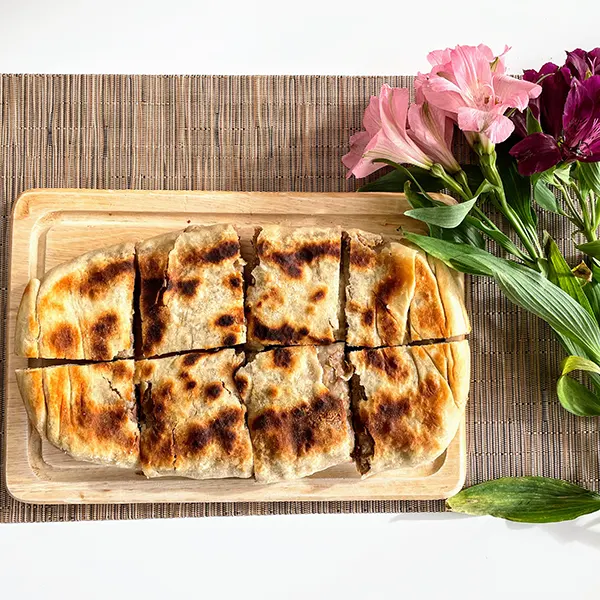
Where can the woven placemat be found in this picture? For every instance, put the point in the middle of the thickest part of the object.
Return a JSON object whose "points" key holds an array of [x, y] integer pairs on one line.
{"points": [[271, 133]]}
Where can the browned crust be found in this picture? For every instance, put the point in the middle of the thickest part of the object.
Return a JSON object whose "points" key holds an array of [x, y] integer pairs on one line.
{"points": [[193, 422]]}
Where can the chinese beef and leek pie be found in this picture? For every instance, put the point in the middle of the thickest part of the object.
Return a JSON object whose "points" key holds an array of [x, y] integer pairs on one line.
{"points": [[89, 411], [294, 298], [80, 310], [298, 410], [191, 290], [397, 294], [193, 422], [407, 403]]}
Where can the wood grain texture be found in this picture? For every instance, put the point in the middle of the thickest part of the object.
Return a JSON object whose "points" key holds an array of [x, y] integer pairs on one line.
{"points": [[51, 226]]}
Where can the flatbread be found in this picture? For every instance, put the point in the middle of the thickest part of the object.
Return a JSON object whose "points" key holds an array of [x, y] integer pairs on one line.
{"points": [[192, 294], [81, 309], [407, 403], [298, 410], [295, 295], [397, 294], [89, 411], [193, 422]]}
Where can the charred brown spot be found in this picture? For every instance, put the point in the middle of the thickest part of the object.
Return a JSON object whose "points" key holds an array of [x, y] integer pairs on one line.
{"points": [[292, 263], [368, 317], [225, 321], [272, 392], [187, 287], [101, 332], [163, 392], [309, 426], [190, 385], [63, 339], [319, 294], [151, 292], [386, 360], [241, 383], [217, 254], [234, 282], [221, 431], [230, 340], [213, 390], [121, 370], [360, 256], [191, 359], [154, 329], [99, 280], [284, 334], [387, 415], [282, 358], [147, 370], [321, 341], [108, 424]]}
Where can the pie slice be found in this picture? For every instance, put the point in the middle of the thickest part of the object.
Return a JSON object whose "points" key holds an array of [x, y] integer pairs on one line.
{"points": [[80, 310], [407, 403], [298, 410], [295, 295], [396, 294], [89, 411], [192, 294], [193, 422]]}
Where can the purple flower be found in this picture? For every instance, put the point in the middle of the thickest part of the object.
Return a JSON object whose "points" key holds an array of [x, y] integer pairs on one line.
{"points": [[582, 64], [548, 107], [579, 138]]}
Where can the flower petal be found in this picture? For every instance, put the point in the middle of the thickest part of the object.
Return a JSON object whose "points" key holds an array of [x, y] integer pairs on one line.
{"points": [[372, 118], [471, 70], [432, 130], [513, 92], [536, 153], [439, 57], [581, 120]]}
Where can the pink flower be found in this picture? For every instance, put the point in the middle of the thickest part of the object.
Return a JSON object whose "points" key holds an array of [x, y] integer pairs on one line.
{"points": [[432, 129], [385, 136], [471, 85]]}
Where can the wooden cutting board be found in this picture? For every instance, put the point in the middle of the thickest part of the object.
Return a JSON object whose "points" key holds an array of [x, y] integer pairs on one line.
{"points": [[52, 226]]}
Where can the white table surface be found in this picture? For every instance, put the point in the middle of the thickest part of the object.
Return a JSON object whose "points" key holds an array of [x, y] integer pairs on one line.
{"points": [[327, 556]]}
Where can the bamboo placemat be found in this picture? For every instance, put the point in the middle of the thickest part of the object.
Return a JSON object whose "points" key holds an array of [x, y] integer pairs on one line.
{"points": [[271, 133]]}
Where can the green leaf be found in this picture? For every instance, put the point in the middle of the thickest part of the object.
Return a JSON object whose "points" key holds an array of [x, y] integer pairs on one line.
{"points": [[446, 217], [590, 248], [526, 500], [533, 292], [592, 290], [574, 396], [467, 259], [495, 234], [533, 125], [589, 173], [545, 197], [560, 274], [517, 189], [522, 286], [394, 181]]}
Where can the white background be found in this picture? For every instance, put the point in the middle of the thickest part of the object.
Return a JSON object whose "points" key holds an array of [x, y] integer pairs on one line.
{"points": [[349, 556]]}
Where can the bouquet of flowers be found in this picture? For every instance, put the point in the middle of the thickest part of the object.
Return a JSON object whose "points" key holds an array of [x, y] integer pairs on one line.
{"points": [[535, 140]]}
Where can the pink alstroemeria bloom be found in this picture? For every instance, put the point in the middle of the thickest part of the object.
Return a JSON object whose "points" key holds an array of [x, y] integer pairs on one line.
{"points": [[471, 84], [432, 129], [385, 136]]}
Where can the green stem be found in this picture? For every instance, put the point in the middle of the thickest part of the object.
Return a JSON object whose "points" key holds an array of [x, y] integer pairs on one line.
{"points": [[531, 243], [574, 215]]}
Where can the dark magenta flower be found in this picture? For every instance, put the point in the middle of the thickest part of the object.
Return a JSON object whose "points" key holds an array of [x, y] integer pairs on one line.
{"points": [[582, 64], [579, 138], [548, 107]]}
